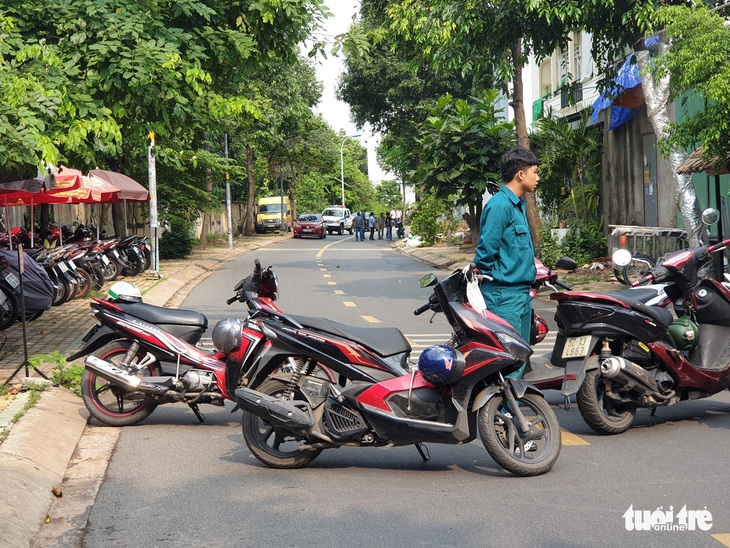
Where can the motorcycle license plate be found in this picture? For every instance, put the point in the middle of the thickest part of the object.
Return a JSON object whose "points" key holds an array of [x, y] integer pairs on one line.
{"points": [[577, 347], [72, 265], [105, 260], [63, 267], [12, 279]]}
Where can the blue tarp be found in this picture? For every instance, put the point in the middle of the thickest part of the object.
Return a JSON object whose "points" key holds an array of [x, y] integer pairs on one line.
{"points": [[627, 78]]}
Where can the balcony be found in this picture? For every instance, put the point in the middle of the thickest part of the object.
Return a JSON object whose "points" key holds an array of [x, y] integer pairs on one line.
{"points": [[571, 94]]}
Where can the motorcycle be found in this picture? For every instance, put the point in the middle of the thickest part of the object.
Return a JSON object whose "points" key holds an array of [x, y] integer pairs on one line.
{"points": [[621, 355], [374, 398]]}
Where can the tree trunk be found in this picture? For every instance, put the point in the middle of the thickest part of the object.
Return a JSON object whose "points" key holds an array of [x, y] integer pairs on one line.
{"points": [[249, 230], [523, 137], [118, 219], [656, 97], [205, 220], [473, 217]]}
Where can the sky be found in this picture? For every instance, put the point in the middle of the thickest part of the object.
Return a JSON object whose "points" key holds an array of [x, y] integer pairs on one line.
{"points": [[335, 112]]}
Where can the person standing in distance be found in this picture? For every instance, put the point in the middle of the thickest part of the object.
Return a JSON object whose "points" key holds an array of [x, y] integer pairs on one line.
{"points": [[505, 251]]}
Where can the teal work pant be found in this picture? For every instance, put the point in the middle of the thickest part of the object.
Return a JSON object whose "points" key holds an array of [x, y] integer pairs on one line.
{"points": [[514, 305]]}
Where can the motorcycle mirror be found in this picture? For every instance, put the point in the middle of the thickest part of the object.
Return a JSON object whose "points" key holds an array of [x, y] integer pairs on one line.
{"points": [[621, 257], [710, 216], [427, 280]]}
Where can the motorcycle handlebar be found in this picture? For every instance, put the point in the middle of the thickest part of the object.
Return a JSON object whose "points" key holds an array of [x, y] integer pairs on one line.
{"points": [[719, 245], [232, 300], [565, 286], [421, 309], [644, 279]]}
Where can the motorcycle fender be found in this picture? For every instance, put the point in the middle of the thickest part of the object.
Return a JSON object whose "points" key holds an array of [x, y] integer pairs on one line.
{"points": [[575, 372], [96, 337], [518, 386]]}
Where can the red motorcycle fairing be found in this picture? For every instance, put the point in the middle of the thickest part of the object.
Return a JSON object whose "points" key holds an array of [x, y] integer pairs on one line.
{"points": [[157, 341], [377, 395], [251, 336]]}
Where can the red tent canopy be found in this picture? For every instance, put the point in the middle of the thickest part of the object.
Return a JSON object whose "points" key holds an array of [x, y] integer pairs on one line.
{"points": [[37, 191], [130, 190]]}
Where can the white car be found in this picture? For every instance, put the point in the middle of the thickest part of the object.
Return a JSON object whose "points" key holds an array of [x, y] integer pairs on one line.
{"points": [[338, 219]]}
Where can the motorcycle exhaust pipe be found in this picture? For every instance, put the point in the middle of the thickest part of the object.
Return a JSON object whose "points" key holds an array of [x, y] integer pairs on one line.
{"points": [[628, 373], [121, 377], [293, 416]]}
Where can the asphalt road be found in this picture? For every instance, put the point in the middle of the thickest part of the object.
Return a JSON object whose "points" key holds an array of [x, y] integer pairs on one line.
{"points": [[174, 482]]}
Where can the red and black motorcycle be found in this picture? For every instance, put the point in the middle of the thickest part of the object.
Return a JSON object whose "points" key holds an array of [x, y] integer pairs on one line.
{"points": [[621, 354], [375, 398]]}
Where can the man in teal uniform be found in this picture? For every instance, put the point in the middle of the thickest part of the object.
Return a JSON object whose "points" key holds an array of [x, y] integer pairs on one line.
{"points": [[505, 250]]}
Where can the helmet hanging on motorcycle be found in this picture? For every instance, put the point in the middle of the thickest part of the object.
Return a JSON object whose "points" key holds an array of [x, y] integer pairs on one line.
{"points": [[441, 365], [685, 333], [227, 335], [125, 292]]}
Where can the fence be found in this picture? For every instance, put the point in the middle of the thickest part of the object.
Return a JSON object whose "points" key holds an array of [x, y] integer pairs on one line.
{"points": [[654, 241]]}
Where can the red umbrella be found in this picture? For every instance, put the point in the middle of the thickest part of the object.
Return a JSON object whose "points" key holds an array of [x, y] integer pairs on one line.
{"points": [[131, 190]]}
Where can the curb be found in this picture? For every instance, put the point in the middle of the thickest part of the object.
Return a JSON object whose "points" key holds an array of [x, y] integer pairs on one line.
{"points": [[35, 456]]}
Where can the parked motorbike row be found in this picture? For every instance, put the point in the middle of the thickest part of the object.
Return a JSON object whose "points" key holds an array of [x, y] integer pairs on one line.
{"points": [[308, 384], [66, 272]]}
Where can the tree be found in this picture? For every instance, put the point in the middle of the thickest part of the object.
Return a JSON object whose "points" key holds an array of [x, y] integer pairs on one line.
{"points": [[388, 194], [481, 38], [459, 148], [699, 63]]}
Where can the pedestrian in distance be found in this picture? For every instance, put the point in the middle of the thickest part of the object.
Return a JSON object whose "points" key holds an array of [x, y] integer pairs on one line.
{"points": [[371, 225], [505, 251], [380, 225], [388, 227], [359, 223]]}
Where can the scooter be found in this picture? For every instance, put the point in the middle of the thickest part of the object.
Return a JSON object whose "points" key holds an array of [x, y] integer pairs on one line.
{"points": [[620, 354], [375, 398]]}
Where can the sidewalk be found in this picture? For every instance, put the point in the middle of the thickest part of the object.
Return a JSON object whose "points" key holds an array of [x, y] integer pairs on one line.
{"points": [[35, 455]]}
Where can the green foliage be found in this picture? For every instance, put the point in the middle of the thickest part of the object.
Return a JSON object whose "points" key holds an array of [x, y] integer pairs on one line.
{"points": [[548, 250], [68, 375], [699, 62], [585, 242], [458, 151], [431, 218], [177, 241], [388, 196], [570, 156]]}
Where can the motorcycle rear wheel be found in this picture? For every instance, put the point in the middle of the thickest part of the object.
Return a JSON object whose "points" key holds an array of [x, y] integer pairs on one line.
{"points": [[9, 308], [599, 411], [275, 447], [85, 283], [111, 404], [134, 265], [111, 271], [529, 454]]}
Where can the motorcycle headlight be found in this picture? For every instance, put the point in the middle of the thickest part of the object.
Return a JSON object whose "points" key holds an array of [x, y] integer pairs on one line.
{"points": [[517, 347]]}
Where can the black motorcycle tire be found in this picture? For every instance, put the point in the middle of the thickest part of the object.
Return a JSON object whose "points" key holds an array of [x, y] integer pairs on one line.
{"points": [[97, 273], [9, 308], [259, 435], [84, 284], [598, 411], [111, 271], [134, 265], [72, 290], [110, 404], [511, 454]]}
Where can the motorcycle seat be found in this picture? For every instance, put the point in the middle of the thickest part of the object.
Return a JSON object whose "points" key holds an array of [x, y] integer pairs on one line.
{"points": [[159, 315], [385, 341], [641, 294], [661, 315]]}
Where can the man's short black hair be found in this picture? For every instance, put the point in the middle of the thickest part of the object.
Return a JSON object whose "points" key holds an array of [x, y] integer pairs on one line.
{"points": [[515, 160]]}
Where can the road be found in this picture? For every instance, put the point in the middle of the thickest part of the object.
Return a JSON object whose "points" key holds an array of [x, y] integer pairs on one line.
{"points": [[174, 482]]}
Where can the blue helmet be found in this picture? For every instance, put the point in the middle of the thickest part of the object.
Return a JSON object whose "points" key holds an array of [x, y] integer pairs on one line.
{"points": [[441, 365]]}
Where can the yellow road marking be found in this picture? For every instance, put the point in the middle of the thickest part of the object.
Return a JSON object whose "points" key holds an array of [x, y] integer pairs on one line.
{"points": [[724, 538], [339, 292], [331, 283], [323, 269], [349, 303], [325, 248], [371, 319], [568, 438], [327, 275]]}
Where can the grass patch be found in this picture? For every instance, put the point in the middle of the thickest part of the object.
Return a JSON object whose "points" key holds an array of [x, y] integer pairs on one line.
{"points": [[33, 399]]}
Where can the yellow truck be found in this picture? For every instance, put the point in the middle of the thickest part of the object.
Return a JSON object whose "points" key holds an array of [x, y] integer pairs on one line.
{"points": [[268, 214]]}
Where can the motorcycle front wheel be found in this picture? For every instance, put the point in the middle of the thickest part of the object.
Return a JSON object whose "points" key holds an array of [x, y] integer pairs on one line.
{"points": [[109, 403], [524, 454], [599, 411], [273, 446]]}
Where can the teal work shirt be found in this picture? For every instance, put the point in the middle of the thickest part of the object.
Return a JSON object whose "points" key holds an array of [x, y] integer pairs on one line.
{"points": [[505, 249]]}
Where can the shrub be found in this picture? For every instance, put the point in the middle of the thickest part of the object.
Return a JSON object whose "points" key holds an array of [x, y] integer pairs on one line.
{"points": [[547, 250], [584, 242], [426, 220], [177, 242]]}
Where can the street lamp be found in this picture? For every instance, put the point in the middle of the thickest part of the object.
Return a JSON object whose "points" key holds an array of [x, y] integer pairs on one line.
{"points": [[342, 164]]}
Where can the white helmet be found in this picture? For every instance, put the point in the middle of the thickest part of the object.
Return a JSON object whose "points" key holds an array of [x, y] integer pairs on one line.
{"points": [[125, 291]]}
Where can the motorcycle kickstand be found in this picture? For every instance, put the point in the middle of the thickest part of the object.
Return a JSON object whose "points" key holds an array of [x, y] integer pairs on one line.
{"points": [[196, 410], [423, 451]]}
